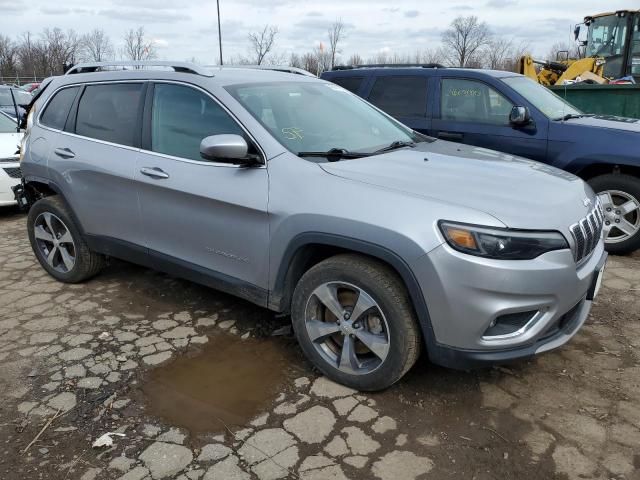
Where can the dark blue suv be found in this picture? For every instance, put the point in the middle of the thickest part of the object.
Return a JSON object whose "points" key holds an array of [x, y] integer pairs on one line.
{"points": [[511, 113]]}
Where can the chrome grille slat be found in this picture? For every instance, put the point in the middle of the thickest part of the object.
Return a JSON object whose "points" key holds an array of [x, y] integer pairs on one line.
{"points": [[587, 232]]}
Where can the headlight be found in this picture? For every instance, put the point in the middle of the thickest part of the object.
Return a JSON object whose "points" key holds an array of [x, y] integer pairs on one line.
{"points": [[501, 243]]}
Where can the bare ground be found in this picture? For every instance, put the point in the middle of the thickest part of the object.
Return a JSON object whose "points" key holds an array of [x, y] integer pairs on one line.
{"points": [[83, 356]]}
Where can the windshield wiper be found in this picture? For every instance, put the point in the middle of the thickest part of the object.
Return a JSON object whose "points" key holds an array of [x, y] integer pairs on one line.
{"points": [[569, 116], [394, 146], [334, 154]]}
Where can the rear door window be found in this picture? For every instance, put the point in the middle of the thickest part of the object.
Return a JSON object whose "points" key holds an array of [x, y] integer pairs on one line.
{"points": [[349, 83], [400, 96], [109, 112], [57, 110]]}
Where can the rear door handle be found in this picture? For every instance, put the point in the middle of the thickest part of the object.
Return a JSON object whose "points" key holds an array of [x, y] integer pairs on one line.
{"points": [[154, 172], [64, 153], [454, 136]]}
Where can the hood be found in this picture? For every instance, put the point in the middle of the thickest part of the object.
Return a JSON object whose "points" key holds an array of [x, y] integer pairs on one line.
{"points": [[9, 143], [607, 121], [518, 192]]}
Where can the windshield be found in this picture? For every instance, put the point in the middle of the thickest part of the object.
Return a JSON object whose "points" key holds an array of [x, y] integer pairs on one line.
{"points": [[318, 117], [6, 100], [606, 36], [541, 97], [7, 125]]}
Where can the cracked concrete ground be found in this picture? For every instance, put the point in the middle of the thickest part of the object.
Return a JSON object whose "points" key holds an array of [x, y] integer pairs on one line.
{"points": [[73, 359]]}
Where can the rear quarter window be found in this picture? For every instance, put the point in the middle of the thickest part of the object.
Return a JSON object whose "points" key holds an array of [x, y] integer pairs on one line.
{"points": [[110, 112], [349, 83], [57, 110], [401, 96]]}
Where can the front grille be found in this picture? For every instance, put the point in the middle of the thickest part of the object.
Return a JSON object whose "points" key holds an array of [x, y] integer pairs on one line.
{"points": [[14, 172], [586, 233]]}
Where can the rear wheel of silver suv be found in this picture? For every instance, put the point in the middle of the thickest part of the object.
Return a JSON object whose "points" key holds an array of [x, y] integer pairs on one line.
{"points": [[57, 243], [354, 321]]}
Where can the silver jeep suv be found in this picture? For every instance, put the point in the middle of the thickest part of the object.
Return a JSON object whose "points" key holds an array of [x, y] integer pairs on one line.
{"points": [[299, 196]]}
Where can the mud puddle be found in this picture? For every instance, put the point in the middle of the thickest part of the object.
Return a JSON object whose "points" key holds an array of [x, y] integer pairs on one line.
{"points": [[230, 380]]}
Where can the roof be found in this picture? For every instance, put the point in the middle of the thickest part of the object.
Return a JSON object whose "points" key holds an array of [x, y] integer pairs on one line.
{"points": [[471, 72]]}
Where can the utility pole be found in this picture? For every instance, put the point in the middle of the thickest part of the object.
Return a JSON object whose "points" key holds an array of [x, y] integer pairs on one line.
{"points": [[219, 31]]}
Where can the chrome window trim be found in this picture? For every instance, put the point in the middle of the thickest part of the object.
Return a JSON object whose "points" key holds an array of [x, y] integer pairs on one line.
{"points": [[142, 150]]}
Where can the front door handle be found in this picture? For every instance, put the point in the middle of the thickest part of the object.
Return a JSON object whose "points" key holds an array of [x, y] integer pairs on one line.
{"points": [[154, 172], [64, 153], [453, 136]]}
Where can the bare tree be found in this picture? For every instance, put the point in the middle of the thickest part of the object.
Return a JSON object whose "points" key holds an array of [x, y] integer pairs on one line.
{"points": [[262, 42], [464, 39], [96, 46], [310, 62], [562, 50], [136, 46], [8, 57], [335, 35], [355, 59], [58, 49]]}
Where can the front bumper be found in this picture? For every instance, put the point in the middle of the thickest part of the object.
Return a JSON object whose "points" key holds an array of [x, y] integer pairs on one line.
{"points": [[466, 295], [6, 182]]}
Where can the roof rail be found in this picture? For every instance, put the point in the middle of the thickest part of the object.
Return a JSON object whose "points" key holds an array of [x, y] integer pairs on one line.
{"points": [[183, 67], [277, 68], [389, 65]]}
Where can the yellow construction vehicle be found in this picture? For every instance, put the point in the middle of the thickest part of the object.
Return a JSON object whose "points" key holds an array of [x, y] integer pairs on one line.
{"points": [[559, 71], [611, 50]]}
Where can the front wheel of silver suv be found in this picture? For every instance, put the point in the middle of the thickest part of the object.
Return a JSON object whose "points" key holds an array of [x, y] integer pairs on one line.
{"points": [[354, 321], [57, 243]]}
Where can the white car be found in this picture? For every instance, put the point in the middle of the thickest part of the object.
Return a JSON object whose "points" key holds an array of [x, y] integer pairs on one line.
{"points": [[10, 173]]}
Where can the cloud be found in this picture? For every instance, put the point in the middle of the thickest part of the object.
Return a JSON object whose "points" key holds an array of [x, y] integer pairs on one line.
{"points": [[501, 3], [55, 11], [314, 14], [411, 13], [144, 15]]}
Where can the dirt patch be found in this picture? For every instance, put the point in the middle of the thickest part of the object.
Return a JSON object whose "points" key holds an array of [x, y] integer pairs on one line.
{"points": [[227, 383]]}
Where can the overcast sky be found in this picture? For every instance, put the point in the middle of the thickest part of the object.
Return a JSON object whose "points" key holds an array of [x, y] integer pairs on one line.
{"points": [[190, 31]]}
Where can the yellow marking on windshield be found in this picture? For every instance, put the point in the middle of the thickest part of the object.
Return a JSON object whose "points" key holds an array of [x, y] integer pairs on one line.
{"points": [[292, 133]]}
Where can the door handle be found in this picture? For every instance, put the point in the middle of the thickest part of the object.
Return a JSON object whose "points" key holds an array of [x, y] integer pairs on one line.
{"points": [[154, 172], [454, 136], [64, 153]]}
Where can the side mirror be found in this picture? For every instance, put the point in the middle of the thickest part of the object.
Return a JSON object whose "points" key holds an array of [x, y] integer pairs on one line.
{"points": [[519, 116], [576, 32], [226, 148]]}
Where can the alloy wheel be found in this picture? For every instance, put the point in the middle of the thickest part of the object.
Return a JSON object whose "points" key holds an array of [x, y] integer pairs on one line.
{"points": [[621, 215], [347, 328], [54, 241]]}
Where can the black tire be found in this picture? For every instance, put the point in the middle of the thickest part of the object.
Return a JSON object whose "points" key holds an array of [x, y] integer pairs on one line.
{"points": [[87, 263], [385, 287], [629, 185]]}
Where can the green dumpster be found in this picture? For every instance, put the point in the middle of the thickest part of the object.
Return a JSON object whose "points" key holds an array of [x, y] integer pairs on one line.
{"points": [[621, 100]]}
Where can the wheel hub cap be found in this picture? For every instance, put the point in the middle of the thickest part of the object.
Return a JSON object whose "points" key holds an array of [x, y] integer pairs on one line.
{"points": [[621, 215], [347, 328], [54, 242]]}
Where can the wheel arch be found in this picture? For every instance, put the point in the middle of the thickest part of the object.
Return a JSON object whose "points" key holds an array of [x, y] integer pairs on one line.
{"points": [[38, 189], [308, 249], [604, 168]]}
